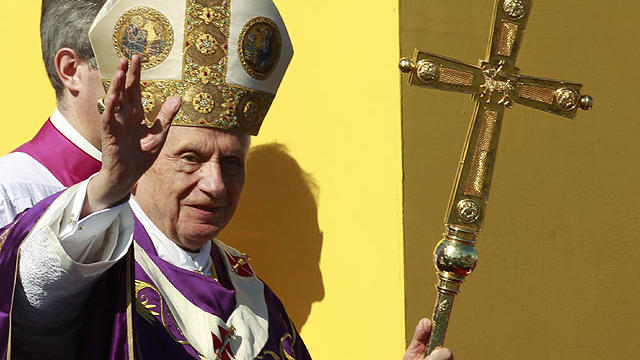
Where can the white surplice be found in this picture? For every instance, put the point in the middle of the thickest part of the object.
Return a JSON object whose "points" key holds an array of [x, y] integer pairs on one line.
{"points": [[24, 181]]}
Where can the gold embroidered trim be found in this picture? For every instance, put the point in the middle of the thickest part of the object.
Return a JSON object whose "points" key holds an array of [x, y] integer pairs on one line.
{"points": [[203, 103], [206, 44], [148, 101], [145, 31], [3, 237], [283, 353], [5, 234], [147, 310], [273, 355], [130, 348]]}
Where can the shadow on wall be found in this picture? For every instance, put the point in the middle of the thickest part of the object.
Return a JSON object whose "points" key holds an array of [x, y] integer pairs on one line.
{"points": [[276, 224]]}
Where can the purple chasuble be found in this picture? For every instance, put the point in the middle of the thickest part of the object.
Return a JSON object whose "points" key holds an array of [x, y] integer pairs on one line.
{"points": [[67, 163], [65, 160], [158, 336], [130, 320], [106, 334], [122, 322], [11, 237]]}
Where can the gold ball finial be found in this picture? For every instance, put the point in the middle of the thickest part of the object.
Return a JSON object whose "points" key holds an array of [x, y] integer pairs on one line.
{"points": [[586, 102], [406, 65]]}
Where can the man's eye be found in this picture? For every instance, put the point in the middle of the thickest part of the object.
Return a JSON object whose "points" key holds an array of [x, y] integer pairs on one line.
{"points": [[190, 158], [232, 165]]}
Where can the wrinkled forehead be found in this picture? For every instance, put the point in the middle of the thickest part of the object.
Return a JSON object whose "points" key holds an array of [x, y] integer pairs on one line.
{"points": [[207, 141]]}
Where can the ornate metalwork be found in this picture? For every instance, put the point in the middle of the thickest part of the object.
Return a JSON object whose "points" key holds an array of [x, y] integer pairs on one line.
{"points": [[427, 71], [406, 65], [566, 99], [586, 102], [514, 8], [468, 210], [495, 85]]}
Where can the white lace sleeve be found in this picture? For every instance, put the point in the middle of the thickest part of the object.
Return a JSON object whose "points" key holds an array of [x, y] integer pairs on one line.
{"points": [[60, 262]]}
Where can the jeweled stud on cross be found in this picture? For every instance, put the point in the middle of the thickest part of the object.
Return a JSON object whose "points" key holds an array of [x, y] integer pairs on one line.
{"points": [[406, 65]]}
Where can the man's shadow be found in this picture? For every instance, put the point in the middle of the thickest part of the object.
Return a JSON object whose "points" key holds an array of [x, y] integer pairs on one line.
{"points": [[276, 224]]}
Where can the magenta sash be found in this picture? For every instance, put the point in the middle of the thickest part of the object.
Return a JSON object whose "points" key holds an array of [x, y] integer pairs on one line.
{"points": [[66, 161]]}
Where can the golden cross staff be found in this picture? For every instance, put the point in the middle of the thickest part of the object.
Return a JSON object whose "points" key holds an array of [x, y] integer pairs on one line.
{"points": [[494, 85]]}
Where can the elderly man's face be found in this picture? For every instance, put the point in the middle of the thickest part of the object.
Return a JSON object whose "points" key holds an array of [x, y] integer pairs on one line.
{"points": [[192, 189]]}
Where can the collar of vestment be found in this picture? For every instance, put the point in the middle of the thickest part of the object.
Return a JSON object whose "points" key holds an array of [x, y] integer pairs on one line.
{"points": [[63, 151], [228, 316], [167, 250]]}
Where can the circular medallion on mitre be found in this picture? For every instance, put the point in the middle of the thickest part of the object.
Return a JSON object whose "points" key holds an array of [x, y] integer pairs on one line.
{"points": [[249, 108], [145, 31], [259, 47]]}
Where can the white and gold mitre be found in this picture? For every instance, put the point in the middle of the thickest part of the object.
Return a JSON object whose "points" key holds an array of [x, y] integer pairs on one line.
{"points": [[225, 58]]}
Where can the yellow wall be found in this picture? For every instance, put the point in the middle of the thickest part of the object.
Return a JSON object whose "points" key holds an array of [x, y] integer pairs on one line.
{"points": [[325, 178], [338, 114], [557, 276], [26, 97]]}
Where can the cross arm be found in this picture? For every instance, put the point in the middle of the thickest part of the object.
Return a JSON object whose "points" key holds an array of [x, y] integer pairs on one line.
{"points": [[439, 72], [509, 22], [558, 97]]}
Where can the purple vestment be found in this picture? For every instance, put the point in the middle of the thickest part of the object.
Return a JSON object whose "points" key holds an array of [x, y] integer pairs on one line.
{"points": [[126, 317]]}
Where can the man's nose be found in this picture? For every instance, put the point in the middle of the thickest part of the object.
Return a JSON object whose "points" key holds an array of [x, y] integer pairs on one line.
{"points": [[211, 180]]}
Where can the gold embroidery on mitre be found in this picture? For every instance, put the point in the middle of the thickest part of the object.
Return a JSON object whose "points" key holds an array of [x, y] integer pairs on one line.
{"points": [[204, 70], [145, 31], [203, 103], [209, 14], [259, 47], [206, 44], [148, 101]]}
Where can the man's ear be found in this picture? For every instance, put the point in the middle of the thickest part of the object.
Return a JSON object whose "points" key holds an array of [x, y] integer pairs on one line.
{"points": [[67, 61]]}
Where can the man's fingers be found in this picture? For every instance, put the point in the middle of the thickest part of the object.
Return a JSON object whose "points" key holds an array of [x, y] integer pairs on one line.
{"points": [[421, 334], [114, 87], [418, 345], [124, 67], [133, 80], [112, 99], [440, 354], [168, 111]]}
